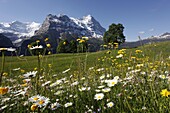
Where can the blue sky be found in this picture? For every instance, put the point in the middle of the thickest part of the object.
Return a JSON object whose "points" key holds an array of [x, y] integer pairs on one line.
{"points": [[139, 17]]}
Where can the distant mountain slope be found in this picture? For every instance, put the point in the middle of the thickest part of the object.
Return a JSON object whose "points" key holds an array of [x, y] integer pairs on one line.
{"points": [[161, 38], [5, 42]]}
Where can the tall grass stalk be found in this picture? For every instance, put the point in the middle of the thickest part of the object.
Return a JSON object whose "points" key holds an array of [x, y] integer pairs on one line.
{"points": [[3, 66]]}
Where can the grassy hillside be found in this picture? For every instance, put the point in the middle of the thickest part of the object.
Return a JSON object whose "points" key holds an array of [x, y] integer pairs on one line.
{"points": [[126, 80], [61, 62]]}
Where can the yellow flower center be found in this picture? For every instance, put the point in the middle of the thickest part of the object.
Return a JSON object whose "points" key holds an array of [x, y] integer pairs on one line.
{"points": [[36, 98], [41, 101], [24, 85], [113, 83], [99, 97]]}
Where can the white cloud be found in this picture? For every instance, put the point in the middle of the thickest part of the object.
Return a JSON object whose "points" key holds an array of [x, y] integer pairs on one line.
{"points": [[142, 32]]}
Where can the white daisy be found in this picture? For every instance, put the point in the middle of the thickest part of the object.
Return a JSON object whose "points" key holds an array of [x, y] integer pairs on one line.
{"points": [[100, 87], [59, 92], [46, 83], [55, 105], [43, 101], [105, 90], [30, 74], [8, 49], [16, 69], [75, 83], [100, 69], [11, 49], [34, 98], [39, 100], [68, 104], [102, 77], [110, 104], [162, 76], [112, 82], [26, 80], [99, 96], [36, 47], [66, 70]]}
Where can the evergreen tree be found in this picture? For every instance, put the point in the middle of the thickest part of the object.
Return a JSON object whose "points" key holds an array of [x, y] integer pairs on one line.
{"points": [[114, 34]]}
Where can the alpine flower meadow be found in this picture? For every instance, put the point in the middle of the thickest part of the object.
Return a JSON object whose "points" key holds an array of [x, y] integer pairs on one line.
{"points": [[108, 81]]}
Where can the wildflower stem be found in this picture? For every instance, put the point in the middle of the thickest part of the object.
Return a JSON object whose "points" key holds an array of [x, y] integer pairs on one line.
{"points": [[3, 64], [128, 105], [38, 75]]}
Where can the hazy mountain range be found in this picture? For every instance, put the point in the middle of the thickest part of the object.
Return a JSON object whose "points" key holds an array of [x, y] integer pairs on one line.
{"points": [[152, 39]]}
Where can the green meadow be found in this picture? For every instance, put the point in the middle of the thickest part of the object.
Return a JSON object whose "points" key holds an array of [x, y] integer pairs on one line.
{"points": [[109, 81]]}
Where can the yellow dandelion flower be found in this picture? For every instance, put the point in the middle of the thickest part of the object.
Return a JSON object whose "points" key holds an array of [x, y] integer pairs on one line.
{"points": [[3, 90], [165, 92], [108, 52], [49, 65], [104, 45], [49, 53], [81, 41], [115, 43], [22, 71], [29, 46], [48, 45], [34, 107], [64, 43], [38, 41], [138, 51], [109, 43], [40, 56], [46, 39], [132, 57], [5, 74]]}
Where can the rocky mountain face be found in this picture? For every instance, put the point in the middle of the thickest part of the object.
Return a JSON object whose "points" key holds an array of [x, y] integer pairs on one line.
{"points": [[86, 26], [17, 31]]}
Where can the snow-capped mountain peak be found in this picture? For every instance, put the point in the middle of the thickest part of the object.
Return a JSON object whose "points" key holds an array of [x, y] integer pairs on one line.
{"points": [[16, 27], [86, 26], [87, 18], [17, 31]]}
